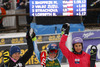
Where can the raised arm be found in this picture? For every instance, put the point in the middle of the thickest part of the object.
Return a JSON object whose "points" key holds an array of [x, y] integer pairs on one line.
{"points": [[60, 55], [29, 37], [65, 32], [37, 53]]}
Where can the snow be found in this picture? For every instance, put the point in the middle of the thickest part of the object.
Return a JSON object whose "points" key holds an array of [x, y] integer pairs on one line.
{"points": [[97, 64], [62, 65]]}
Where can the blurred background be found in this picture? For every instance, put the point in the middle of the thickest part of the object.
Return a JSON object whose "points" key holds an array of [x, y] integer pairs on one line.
{"points": [[15, 19]]}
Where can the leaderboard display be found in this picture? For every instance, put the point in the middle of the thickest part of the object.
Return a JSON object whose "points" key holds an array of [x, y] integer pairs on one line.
{"points": [[58, 7]]}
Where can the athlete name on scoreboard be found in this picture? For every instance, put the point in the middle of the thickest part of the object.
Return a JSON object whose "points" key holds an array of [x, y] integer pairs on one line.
{"points": [[58, 7], [45, 8]]}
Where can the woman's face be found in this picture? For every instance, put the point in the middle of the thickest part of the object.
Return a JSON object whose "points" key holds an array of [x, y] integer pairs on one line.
{"points": [[53, 53], [16, 56], [78, 47]]}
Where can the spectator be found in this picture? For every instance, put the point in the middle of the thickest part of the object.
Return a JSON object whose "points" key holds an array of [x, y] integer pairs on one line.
{"points": [[6, 4], [77, 58], [21, 4], [15, 59], [2, 12]]}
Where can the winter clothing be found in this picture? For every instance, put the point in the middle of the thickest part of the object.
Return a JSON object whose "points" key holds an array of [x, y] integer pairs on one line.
{"points": [[2, 12], [51, 47], [54, 63], [75, 60], [14, 49], [77, 40], [50, 62], [22, 60]]}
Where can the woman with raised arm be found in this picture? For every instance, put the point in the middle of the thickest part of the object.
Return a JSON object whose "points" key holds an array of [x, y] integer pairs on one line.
{"points": [[76, 58]]}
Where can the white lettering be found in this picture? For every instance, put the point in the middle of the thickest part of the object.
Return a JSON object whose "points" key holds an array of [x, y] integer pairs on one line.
{"points": [[86, 35], [40, 6], [43, 2], [43, 61], [46, 10], [32, 10], [52, 6], [43, 14], [32, 6], [55, 2], [32, 2]]}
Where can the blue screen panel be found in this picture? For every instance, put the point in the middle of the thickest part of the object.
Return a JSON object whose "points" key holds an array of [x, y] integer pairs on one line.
{"points": [[58, 7]]}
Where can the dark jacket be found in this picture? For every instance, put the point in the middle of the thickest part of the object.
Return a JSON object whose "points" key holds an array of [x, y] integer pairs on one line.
{"points": [[21, 62]]}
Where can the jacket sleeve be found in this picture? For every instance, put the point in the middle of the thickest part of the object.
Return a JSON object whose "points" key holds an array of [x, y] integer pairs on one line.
{"points": [[4, 64], [63, 47], [29, 52], [37, 53], [60, 55]]}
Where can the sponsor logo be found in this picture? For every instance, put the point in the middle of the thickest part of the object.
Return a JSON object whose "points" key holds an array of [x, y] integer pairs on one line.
{"points": [[43, 61], [86, 35], [77, 39], [77, 61], [18, 50], [53, 45], [43, 55]]}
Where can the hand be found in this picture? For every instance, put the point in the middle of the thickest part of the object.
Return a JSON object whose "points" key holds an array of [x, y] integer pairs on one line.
{"points": [[4, 4], [65, 28], [21, 3], [30, 33]]}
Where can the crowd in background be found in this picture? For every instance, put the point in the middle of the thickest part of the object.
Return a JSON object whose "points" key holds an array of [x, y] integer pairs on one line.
{"points": [[92, 16], [6, 4], [20, 4]]}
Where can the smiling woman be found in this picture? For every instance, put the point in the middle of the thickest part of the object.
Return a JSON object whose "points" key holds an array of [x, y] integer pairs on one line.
{"points": [[78, 47], [15, 59], [77, 44], [54, 55], [15, 52], [77, 58]]}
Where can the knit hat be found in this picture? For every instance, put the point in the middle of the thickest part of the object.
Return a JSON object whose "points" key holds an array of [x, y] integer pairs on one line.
{"points": [[14, 49]]}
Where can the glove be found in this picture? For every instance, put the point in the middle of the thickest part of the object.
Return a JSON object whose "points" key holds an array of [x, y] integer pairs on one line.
{"points": [[31, 34], [65, 28], [93, 52]]}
